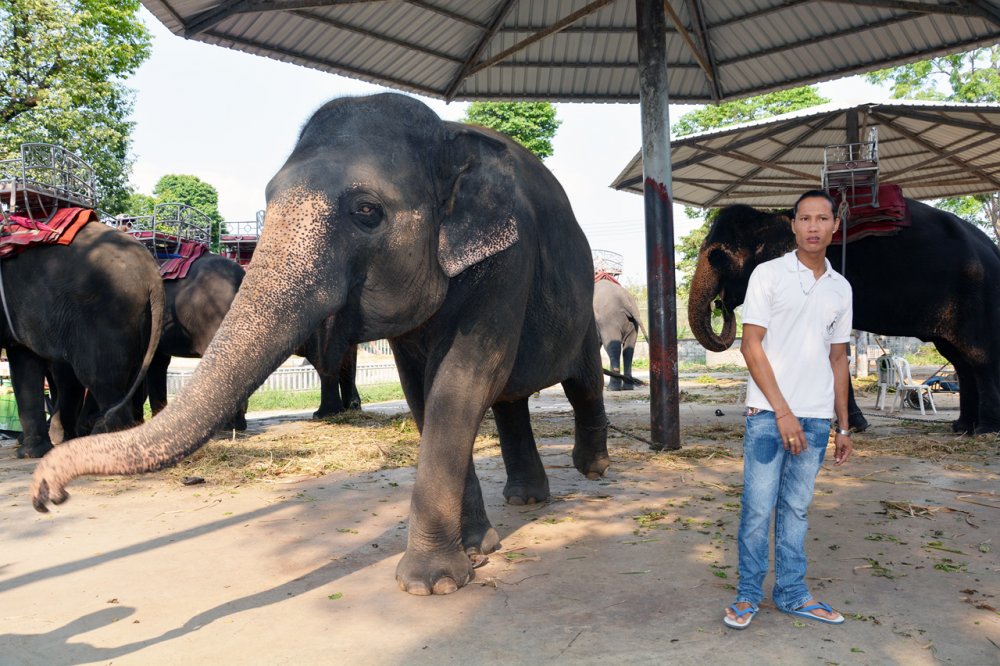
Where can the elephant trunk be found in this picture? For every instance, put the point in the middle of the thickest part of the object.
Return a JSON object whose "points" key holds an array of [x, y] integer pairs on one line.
{"points": [[705, 286], [267, 320]]}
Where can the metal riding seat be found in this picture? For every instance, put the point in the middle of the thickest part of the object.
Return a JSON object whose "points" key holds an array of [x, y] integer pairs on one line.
{"points": [[240, 239]]}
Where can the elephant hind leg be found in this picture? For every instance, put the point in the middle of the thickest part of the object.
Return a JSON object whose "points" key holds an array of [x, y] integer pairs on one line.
{"points": [[526, 479], [478, 536], [614, 351]]}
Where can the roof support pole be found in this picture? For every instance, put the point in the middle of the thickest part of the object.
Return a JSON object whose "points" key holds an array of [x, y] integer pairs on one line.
{"points": [[664, 398]]}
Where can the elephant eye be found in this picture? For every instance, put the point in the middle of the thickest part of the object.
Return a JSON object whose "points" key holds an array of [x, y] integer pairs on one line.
{"points": [[367, 214]]}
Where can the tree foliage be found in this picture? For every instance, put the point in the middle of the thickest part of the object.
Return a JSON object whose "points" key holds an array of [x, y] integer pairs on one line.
{"points": [[973, 76], [63, 63], [714, 116], [722, 115], [531, 124]]}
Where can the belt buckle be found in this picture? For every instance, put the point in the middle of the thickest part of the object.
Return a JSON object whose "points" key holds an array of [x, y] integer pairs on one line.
{"points": [[751, 411]]}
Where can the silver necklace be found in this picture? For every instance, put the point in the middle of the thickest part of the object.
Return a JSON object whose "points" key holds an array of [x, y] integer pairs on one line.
{"points": [[800, 267]]}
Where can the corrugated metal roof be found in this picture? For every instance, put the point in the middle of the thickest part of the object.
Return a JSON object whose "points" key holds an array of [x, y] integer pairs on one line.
{"points": [[931, 149], [584, 50]]}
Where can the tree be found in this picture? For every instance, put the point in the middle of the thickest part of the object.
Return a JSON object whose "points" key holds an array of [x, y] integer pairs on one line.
{"points": [[973, 76], [63, 63], [531, 124], [191, 190]]}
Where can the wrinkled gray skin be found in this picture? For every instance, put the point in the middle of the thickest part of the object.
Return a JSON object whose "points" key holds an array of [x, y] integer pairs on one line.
{"points": [[618, 325], [195, 307], [952, 301], [91, 312], [452, 242]]}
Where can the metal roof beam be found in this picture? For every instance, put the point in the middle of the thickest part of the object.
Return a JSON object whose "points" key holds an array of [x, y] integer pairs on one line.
{"points": [[478, 49], [347, 27], [969, 8], [458, 18], [363, 74], [706, 45], [212, 17], [916, 138], [702, 55], [558, 26], [791, 145]]}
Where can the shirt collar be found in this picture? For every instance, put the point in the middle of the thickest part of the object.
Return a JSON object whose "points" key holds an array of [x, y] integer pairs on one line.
{"points": [[791, 263]]}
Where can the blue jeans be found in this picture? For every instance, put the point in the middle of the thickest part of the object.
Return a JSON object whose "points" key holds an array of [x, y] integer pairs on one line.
{"points": [[775, 480]]}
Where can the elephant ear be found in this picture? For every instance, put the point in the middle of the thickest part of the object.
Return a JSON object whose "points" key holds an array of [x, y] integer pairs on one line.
{"points": [[477, 217]]}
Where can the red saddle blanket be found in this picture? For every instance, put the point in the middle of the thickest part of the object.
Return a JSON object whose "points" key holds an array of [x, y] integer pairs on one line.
{"points": [[20, 233], [177, 267], [604, 275], [863, 220]]}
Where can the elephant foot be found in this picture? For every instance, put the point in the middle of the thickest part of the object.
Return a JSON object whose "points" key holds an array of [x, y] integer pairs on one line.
{"points": [[591, 464], [987, 428], [327, 412], [960, 427], [238, 423], [423, 574], [33, 447], [521, 491], [479, 541], [628, 386], [857, 422], [615, 384]]}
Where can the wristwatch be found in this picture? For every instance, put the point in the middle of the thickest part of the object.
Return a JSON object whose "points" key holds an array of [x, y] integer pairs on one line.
{"points": [[842, 431]]}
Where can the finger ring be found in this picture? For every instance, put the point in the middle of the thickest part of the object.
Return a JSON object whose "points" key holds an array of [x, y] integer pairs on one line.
{"points": [[791, 440]]}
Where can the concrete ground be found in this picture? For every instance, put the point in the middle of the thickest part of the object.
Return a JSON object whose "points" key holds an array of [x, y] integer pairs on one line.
{"points": [[631, 569]]}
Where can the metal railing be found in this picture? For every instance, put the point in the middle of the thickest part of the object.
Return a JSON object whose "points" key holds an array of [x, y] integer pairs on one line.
{"points": [[298, 379]]}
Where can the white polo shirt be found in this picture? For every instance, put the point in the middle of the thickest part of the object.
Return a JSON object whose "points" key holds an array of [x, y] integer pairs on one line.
{"points": [[803, 317]]}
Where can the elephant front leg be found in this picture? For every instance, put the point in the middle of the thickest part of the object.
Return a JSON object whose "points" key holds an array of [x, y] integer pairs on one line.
{"points": [[435, 561], [526, 479], [27, 374]]}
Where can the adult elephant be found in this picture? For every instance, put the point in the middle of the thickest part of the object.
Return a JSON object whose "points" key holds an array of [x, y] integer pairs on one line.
{"points": [[937, 280], [88, 313], [195, 307], [618, 325], [455, 244]]}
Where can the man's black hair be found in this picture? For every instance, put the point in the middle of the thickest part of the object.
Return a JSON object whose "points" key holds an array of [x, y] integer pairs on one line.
{"points": [[815, 194]]}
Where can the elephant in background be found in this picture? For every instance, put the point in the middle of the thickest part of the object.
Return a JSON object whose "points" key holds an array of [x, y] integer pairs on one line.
{"points": [[195, 308], [448, 240], [90, 314], [337, 366], [953, 300], [618, 325]]}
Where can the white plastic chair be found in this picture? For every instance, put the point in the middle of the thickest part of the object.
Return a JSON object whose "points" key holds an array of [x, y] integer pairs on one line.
{"points": [[905, 384], [886, 378]]}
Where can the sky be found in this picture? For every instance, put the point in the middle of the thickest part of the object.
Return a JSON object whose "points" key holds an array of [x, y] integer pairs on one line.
{"points": [[231, 119]]}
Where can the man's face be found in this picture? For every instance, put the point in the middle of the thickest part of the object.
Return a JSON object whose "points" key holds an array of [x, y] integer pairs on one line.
{"points": [[814, 224]]}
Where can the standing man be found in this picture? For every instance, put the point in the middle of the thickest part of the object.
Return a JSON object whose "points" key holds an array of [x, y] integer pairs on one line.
{"points": [[796, 326]]}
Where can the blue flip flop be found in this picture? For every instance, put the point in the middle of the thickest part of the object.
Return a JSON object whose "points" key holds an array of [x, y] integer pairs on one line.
{"points": [[806, 612], [751, 609]]}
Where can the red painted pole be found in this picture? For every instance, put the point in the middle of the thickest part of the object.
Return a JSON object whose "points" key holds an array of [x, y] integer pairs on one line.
{"points": [[664, 403]]}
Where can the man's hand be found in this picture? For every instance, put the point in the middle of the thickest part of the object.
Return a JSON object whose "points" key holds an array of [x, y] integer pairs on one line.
{"points": [[791, 433], [843, 449]]}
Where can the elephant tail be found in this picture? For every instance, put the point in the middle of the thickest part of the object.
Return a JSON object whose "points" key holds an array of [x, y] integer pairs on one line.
{"points": [[636, 319], [156, 303]]}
